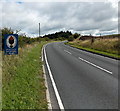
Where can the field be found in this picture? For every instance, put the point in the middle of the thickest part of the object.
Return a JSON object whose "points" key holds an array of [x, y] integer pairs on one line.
{"points": [[23, 81], [110, 47]]}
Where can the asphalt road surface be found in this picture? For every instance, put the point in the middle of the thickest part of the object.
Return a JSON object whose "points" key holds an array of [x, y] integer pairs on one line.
{"points": [[81, 80]]}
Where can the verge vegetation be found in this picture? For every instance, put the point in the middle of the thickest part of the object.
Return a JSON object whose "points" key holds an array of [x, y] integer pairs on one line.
{"points": [[109, 47], [23, 82], [22, 76]]}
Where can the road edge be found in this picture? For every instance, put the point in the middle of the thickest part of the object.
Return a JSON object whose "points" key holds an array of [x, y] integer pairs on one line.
{"points": [[46, 83], [94, 52], [60, 103]]}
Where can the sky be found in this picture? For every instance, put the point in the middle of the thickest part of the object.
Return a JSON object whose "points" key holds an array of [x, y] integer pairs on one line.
{"points": [[93, 17]]}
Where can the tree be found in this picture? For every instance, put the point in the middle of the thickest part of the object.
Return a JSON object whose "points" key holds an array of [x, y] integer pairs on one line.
{"points": [[71, 38], [59, 35], [5, 31], [76, 35]]}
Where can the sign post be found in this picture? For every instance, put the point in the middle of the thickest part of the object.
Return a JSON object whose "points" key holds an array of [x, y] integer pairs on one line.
{"points": [[11, 44]]}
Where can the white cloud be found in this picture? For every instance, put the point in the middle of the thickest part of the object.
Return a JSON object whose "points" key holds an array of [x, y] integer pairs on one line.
{"points": [[83, 17], [54, 0]]}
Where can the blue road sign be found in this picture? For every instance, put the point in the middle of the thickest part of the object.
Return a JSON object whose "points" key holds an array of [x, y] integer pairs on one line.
{"points": [[11, 44]]}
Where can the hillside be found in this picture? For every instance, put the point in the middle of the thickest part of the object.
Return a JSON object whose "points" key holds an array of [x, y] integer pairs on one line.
{"points": [[109, 45]]}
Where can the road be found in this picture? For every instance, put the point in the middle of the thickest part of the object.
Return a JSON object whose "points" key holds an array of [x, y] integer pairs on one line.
{"points": [[82, 80]]}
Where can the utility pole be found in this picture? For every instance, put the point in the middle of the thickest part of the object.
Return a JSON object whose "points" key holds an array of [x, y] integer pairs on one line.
{"points": [[39, 29]]}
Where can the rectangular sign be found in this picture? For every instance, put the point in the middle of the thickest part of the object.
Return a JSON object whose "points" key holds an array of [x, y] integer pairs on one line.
{"points": [[11, 44]]}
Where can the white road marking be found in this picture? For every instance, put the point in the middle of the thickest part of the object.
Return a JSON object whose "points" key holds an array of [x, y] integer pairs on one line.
{"points": [[95, 65], [46, 85], [68, 52], [47, 90], [53, 83]]}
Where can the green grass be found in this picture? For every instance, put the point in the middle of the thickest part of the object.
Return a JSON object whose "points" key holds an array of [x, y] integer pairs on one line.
{"points": [[23, 82], [0, 80], [93, 50]]}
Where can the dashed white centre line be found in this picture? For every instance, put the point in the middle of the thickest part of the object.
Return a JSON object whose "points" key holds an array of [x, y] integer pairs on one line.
{"points": [[95, 65], [68, 52]]}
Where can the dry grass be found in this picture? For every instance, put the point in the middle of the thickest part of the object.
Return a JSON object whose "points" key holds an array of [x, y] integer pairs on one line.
{"points": [[111, 45]]}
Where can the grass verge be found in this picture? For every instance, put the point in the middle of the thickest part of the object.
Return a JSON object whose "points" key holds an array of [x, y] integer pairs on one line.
{"points": [[0, 80], [94, 50], [23, 82]]}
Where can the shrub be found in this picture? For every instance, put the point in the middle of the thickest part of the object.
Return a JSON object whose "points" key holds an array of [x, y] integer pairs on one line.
{"points": [[76, 35], [71, 38]]}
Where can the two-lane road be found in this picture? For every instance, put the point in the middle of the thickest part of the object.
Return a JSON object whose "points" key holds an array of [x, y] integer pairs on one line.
{"points": [[83, 80]]}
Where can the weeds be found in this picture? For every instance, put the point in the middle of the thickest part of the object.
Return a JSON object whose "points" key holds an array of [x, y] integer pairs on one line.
{"points": [[109, 47], [23, 82]]}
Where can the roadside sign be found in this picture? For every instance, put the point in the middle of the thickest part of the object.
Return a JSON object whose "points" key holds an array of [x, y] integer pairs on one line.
{"points": [[11, 44]]}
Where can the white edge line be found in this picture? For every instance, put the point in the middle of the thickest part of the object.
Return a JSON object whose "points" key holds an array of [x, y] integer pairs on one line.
{"points": [[95, 65], [47, 90], [53, 83], [67, 51], [46, 85]]}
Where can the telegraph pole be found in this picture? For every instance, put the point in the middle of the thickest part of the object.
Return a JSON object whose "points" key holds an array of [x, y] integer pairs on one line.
{"points": [[39, 29]]}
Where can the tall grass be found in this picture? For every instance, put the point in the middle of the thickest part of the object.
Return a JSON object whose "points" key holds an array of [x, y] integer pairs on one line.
{"points": [[0, 80], [111, 46], [23, 82]]}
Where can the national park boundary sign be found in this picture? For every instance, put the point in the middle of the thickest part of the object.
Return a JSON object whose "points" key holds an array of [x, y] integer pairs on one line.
{"points": [[11, 44]]}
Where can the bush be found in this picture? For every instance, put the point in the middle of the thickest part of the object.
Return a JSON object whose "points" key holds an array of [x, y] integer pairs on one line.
{"points": [[22, 38], [117, 46], [76, 35], [71, 38], [5, 31]]}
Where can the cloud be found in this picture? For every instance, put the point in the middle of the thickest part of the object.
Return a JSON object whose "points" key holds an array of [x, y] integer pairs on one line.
{"points": [[82, 17]]}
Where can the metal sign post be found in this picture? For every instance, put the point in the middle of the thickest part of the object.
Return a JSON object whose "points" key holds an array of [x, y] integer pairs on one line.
{"points": [[11, 44]]}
